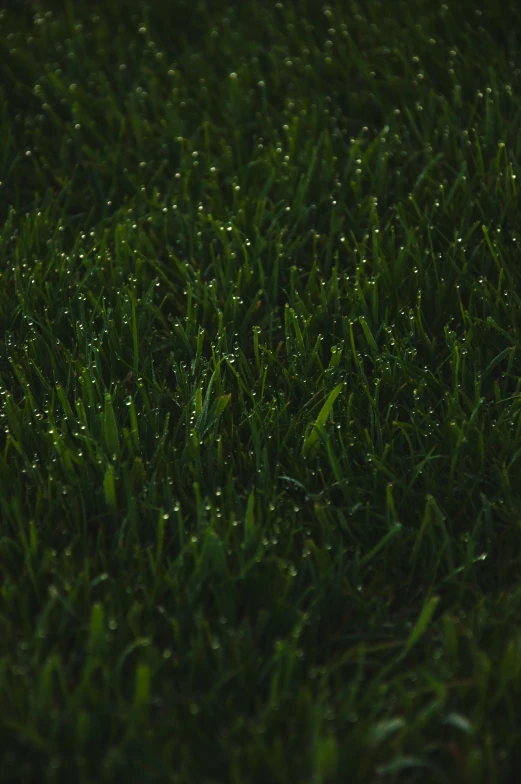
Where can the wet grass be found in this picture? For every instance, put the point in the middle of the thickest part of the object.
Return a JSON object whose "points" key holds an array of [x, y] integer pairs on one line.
{"points": [[260, 394]]}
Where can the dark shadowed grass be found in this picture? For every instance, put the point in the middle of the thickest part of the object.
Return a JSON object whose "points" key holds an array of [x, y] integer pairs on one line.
{"points": [[260, 392]]}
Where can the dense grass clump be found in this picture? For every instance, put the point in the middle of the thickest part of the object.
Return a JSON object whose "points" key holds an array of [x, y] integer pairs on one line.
{"points": [[260, 392]]}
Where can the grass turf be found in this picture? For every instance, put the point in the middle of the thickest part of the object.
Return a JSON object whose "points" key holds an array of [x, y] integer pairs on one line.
{"points": [[260, 392]]}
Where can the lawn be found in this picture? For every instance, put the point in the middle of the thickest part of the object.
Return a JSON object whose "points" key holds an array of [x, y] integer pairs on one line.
{"points": [[260, 392]]}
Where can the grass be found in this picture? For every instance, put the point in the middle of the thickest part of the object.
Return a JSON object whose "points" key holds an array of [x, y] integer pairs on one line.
{"points": [[260, 392]]}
